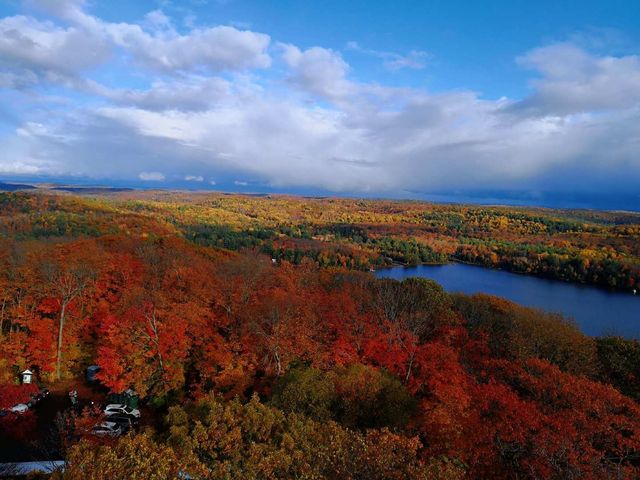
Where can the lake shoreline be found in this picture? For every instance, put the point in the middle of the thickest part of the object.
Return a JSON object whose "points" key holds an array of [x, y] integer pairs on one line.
{"points": [[597, 311], [498, 269]]}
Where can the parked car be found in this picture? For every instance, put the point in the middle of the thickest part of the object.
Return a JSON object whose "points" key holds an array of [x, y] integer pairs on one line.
{"points": [[19, 408], [121, 409], [107, 429], [125, 421]]}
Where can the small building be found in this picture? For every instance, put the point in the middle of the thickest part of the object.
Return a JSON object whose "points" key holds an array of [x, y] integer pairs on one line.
{"points": [[92, 371], [27, 377]]}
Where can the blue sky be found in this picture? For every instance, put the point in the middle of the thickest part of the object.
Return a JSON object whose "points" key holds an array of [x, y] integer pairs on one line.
{"points": [[404, 98], [462, 38]]}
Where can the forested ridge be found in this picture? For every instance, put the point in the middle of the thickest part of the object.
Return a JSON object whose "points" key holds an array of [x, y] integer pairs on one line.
{"points": [[308, 367], [582, 246]]}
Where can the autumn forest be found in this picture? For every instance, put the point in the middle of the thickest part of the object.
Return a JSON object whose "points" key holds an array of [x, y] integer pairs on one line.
{"points": [[261, 346]]}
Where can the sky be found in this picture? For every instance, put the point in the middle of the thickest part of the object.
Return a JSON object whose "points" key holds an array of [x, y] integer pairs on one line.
{"points": [[521, 101]]}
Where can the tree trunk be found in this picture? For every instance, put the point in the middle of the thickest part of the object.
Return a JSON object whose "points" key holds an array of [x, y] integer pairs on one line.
{"points": [[4, 302], [409, 368], [59, 349], [278, 363], [156, 341]]}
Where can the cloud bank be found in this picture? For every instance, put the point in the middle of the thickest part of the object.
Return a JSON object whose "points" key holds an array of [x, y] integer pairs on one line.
{"points": [[222, 102]]}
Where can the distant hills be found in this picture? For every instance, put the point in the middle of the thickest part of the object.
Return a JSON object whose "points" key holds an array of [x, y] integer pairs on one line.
{"points": [[12, 187], [93, 189]]}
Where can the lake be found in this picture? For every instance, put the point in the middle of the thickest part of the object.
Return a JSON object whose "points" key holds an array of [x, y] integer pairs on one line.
{"points": [[597, 311]]}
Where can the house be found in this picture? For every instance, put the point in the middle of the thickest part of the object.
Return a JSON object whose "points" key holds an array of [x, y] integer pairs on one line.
{"points": [[27, 377]]}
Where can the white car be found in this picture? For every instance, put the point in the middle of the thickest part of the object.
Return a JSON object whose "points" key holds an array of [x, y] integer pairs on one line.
{"points": [[118, 408], [107, 429], [19, 408]]}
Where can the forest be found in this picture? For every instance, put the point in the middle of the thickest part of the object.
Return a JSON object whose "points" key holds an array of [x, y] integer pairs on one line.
{"points": [[580, 246], [263, 348]]}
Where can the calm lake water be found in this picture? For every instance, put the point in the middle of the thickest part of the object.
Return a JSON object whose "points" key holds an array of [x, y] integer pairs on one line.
{"points": [[597, 311]]}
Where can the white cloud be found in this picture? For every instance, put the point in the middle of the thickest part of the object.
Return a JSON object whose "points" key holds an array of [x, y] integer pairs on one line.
{"points": [[210, 49], [240, 183], [70, 10], [431, 142], [60, 54], [157, 19], [186, 93], [18, 168], [151, 176], [205, 105], [320, 71], [39, 47], [415, 59], [18, 79], [572, 80]]}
